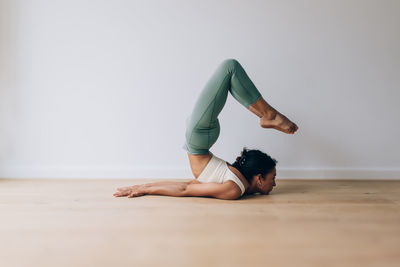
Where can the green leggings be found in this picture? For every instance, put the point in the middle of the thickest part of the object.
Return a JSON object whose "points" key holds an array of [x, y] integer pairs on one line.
{"points": [[202, 126]]}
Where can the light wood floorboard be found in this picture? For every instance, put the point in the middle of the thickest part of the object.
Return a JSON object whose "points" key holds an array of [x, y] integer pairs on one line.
{"points": [[45, 222]]}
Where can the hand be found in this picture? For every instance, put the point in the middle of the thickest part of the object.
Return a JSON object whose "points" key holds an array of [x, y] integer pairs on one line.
{"points": [[130, 191]]}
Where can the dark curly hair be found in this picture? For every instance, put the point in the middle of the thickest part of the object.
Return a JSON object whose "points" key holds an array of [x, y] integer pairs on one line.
{"points": [[252, 162]]}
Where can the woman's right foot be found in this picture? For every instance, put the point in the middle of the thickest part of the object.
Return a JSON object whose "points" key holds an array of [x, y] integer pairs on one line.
{"points": [[274, 119]]}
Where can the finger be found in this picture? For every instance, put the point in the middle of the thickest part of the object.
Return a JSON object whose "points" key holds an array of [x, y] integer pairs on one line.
{"points": [[132, 195], [123, 188], [121, 194]]}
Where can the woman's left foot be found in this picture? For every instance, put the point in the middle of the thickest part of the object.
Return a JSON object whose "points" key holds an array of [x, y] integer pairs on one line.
{"points": [[278, 121]]}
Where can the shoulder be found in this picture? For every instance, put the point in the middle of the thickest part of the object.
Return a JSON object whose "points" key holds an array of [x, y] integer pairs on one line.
{"points": [[226, 190], [233, 189], [239, 175]]}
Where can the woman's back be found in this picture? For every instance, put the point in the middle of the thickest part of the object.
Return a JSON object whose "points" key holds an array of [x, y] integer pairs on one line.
{"points": [[218, 171]]}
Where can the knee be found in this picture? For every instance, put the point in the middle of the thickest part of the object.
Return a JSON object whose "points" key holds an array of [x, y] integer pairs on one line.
{"points": [[230, 63]]}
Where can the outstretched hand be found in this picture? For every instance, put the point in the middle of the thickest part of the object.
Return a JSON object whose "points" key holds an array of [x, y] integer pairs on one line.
{"points": [[130, 191]]}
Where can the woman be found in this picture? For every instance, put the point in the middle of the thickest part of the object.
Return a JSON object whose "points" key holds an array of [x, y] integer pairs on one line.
{"points": [[252, 172]]}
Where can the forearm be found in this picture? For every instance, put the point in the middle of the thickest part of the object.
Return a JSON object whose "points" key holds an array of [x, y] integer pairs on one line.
{"points": [[163, 183], [175, 189]]}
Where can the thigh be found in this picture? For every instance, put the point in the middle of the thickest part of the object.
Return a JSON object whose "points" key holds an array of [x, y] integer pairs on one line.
{"points": [[200, 139], [202, 126], [212, 98]]}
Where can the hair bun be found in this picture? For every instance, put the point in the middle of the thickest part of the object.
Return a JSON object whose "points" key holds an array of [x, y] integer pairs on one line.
{"points": [[242, 160]]}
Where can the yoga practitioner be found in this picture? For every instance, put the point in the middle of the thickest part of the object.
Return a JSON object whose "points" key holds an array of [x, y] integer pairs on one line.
{"points": [[252, 172]]}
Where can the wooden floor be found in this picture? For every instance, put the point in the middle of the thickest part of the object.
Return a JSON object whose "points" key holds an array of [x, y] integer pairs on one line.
{"points": [[302, 223]]}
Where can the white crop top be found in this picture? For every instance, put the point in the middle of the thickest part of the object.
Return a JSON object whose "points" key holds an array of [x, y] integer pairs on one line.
{"points": [[217, 171]]}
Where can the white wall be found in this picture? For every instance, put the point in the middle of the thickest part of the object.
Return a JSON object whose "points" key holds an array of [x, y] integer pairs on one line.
{"points": [[102, 88]]}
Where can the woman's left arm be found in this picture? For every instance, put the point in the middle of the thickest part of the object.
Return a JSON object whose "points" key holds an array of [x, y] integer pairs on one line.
{"points": [[168, 187], [226, 190]]}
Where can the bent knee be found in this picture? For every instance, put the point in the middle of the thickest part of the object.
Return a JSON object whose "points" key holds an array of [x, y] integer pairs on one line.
{"points": [[230, 63]]}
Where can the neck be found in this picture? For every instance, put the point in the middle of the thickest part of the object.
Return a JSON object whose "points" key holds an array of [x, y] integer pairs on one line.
{"points": [[252, 188]]}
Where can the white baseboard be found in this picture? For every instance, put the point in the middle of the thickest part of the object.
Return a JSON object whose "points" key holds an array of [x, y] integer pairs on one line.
{"points": [[151, 172], [358, 174]]}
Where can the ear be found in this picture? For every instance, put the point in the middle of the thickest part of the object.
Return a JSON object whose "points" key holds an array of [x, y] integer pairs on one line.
{"points": [[259, 179]]}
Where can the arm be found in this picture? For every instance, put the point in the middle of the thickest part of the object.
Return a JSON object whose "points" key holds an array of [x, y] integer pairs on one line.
{"points": [[139, 190], [227, 190]]}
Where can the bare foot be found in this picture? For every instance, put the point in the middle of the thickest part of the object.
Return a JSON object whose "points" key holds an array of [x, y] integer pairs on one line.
{"points": [[276, 120]]}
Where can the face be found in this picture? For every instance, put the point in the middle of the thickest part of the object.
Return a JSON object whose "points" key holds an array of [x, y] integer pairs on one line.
{"points": [[266, 185]]}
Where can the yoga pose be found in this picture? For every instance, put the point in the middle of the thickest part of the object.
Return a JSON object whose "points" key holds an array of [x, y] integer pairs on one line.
{"points": [[252, 172]]}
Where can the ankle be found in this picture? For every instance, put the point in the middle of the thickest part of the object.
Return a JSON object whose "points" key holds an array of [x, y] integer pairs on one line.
{"points": [[262, 109], [269, 114]]}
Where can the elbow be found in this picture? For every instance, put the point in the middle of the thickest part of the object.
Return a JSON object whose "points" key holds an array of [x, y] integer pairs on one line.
{"points": [[230, 196], [184, 190]]}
